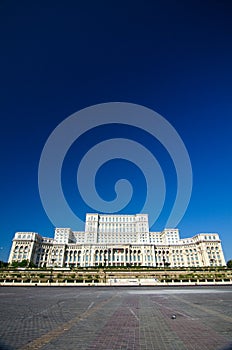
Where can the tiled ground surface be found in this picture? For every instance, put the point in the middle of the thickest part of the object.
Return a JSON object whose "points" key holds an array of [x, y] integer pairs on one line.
{"points": [[50, 318]]}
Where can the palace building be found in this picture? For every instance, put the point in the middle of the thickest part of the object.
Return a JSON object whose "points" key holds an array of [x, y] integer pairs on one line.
{"points": [[117, 240]]}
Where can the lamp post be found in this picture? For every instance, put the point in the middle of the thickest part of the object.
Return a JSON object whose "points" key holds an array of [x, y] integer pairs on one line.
{"points": [[105, 261], [51, 273]]}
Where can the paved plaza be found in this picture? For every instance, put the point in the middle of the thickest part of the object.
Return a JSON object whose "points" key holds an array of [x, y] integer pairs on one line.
{"points": [[69, 318]]}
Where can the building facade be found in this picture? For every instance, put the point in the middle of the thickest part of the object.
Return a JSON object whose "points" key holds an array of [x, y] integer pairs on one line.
{"points": [[117, 240]]}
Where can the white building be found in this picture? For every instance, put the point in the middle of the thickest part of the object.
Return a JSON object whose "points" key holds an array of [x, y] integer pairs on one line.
{"points": [[117, 240]]}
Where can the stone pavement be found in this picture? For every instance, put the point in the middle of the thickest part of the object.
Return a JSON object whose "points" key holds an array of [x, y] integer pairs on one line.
{"points": [[114, 318]]}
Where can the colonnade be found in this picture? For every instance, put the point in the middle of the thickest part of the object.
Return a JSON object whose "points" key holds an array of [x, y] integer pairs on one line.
{"points": [[112, 256]]}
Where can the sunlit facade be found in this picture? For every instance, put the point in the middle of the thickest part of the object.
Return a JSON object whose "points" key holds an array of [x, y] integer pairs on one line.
{"points": [[117, 240]]}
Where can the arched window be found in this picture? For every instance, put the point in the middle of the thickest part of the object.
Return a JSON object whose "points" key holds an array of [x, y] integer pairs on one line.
{"points": [[75, 256]]}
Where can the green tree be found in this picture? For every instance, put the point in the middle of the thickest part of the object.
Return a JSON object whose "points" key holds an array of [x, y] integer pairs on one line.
{"points": [[3, 264], [23, 263], [14, 264], [229, 264], [31, 264]]}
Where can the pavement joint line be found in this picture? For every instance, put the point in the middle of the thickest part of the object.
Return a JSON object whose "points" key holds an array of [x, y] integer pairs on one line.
{"points": [[55, 333], [90, 305], [205, 309], [134, 314], [174, 311]]}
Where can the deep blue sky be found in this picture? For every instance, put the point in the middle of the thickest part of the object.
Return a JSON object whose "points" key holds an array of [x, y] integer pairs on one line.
{"points": [[58, 57]]}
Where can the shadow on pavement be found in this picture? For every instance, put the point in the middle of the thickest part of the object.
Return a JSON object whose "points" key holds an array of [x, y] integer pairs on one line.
{"points": [[3, 346], [228, 347]]}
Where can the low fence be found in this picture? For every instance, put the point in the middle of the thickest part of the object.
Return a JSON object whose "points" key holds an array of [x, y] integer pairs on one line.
{"points": [[117, 282]]}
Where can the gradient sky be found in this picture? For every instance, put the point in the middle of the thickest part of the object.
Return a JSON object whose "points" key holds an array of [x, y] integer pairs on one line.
{"points": [[58, 57]]}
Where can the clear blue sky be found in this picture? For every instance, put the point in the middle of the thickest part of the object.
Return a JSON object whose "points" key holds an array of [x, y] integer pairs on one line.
{"points": [[58, 57]]}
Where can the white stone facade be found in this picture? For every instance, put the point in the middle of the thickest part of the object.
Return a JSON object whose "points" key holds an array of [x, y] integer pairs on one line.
{"points": [[117, 240]]}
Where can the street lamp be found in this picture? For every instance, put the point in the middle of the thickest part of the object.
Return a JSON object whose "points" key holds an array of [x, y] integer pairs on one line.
{"points": [[51, 277], [105, 261]]}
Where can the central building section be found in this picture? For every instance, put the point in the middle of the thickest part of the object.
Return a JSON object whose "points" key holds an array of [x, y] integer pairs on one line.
{"points": [[117, 238], [116, 229]]}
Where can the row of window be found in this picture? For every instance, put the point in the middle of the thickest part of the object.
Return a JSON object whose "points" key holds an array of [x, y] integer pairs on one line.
{"points": [[20, 256], [210, 237], [21, 249], [118, 218], [212, 248], [24, 236]]}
